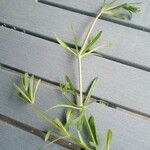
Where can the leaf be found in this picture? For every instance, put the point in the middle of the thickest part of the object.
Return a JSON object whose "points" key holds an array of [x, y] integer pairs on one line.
{"points": [[68, 87], [47, 136], [93, 41], [91, 89], [71, 85], [93, 144], [36, 88], [93, 128], [111, 9], [81, 139], [78, 121], [109, 138], [64, 106], [92, 51], [75, 39], [69, 113], [130, 7], [121, 16], [31, 84], [69, 101], [25, 97], [25, 81], [60, 126], [42, 148], [64, 45]]}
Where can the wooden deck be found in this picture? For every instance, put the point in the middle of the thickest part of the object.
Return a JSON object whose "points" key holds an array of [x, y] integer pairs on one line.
{"points": [[27, 44]]}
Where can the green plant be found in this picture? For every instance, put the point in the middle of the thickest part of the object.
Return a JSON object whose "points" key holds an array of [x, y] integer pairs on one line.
{"points": [[76, 107]]}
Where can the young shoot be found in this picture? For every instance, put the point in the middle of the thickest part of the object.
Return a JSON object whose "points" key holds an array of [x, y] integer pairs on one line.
{"points": [[77, 103]]}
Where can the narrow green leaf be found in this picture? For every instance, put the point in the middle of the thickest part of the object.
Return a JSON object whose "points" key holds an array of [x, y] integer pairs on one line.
{"points": [[93, 144], [91, 89], [131, 7], [46, 145], [109, 138], [92, 125], [25, 81], [69, 101], [31, 84], [78, 121], [75, 39], [64, 106], [59, 124], [114, 7], [93, 41], [97, 48], [64, 45], [111, 10], [36, 88], [69, 114], [121, 16], [82, 141], [47, 135], [22, 93]]}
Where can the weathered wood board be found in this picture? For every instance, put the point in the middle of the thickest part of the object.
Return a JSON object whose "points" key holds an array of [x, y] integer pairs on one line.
{"points": [[40, 19], [13, 138], [119, 83], [90, 6], [28, 44]]}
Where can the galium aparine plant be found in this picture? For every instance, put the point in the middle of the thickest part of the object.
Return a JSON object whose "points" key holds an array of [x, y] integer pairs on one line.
{"points": [[76, 111]]}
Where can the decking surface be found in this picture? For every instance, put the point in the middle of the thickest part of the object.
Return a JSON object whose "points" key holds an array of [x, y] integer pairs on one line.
{"points": [[27, 44]]}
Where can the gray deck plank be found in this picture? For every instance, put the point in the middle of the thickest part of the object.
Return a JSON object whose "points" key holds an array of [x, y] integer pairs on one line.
{"points": [[140, 19], [119, 83], [41, 19], [13, 138], [131, 132], [124, 126]]}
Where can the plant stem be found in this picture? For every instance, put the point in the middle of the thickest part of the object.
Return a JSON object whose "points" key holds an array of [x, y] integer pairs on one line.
{"points": [[80, 57], [80, 80], [90, 30], [60, 129], [79, 143]]}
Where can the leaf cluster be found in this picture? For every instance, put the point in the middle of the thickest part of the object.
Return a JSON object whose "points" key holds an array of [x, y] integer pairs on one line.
{"points": [[28, 89], [112, 9]]}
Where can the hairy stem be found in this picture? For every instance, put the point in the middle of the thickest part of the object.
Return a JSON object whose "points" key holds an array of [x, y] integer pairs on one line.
{"points": [[90, 30], [61, 130], [80, 80]]}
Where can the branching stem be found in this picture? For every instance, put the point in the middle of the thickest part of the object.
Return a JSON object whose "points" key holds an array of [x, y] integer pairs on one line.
{"points": [[80, 57], [80, 80], [90, 30]]}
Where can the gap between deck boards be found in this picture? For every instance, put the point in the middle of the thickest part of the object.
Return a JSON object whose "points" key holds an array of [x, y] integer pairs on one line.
{"points": [[134, 26], [118, 60], [107, 103]]}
